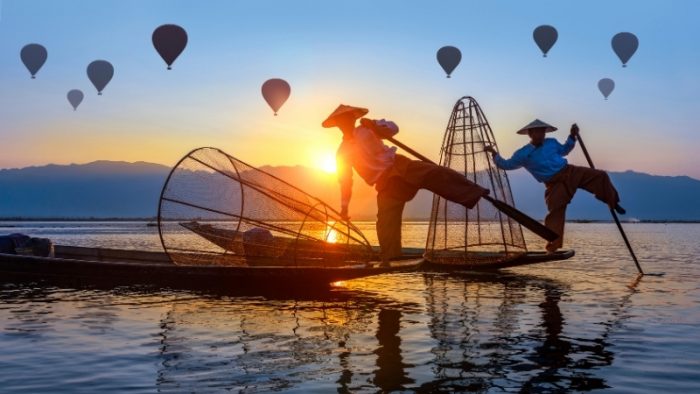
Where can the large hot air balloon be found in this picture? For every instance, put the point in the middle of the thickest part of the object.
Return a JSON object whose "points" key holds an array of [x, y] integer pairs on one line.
{"points": [[545, 36], [276, 92], [75, 97], [169, 41], [606, 86], [449, 58], [33, 56], [100, 73], [625, 45]]}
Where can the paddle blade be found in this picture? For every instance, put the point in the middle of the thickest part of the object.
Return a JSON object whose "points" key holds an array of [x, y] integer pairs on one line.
{"points": [[529, 223]]}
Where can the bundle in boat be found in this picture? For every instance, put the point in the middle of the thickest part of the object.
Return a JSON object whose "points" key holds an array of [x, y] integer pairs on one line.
{"points": [[482, 236], [217, 210]]}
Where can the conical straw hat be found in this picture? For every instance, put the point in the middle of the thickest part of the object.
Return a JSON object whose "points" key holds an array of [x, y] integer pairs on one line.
{"points": [[343, 109], [536, 124]]}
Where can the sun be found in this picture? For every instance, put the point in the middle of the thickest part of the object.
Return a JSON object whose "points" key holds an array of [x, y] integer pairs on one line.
{"points": [[326, 163]]}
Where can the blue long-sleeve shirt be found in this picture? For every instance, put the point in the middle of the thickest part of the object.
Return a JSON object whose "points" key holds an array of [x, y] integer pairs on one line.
{"points": [[543, 161]]}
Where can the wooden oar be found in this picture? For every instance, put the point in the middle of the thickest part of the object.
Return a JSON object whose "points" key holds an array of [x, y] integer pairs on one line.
{"points": [[612, 211], [530, 223]]}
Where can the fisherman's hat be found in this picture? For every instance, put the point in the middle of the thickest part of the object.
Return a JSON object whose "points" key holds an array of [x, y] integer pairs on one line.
{"points": [[343, 109], [537, 124]]}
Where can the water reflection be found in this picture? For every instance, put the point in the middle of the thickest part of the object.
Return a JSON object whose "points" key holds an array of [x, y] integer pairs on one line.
{"points": [[391, 373], [419, 332]]}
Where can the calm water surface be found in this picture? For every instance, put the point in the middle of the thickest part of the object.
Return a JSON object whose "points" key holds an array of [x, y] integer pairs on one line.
{"points": [[583, 324]]}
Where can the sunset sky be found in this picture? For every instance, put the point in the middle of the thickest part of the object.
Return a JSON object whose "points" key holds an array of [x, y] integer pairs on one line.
{"points": [[376, 54]]}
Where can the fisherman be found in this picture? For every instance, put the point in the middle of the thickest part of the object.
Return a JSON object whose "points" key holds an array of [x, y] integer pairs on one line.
{"points": [[396, 178], [544, 159]]}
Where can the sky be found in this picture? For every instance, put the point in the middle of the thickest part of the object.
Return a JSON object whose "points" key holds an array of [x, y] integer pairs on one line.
{"points": [[376, 54]]}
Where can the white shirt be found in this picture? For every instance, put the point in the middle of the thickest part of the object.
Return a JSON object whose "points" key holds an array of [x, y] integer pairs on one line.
{"points": [[367, 154]]}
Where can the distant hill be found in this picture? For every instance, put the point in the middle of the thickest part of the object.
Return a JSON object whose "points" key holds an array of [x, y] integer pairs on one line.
{"points": [[99, 189], [108, 189]]}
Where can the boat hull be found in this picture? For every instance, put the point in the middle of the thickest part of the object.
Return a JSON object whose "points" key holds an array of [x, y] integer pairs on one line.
{"points": [[139, 267]]}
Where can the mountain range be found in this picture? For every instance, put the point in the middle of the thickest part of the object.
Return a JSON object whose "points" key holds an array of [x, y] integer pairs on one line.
{"points": [[110, 189]]}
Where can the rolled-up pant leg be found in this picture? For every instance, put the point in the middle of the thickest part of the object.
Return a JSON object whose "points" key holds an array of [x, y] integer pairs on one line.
{"points": [[447, 183], [596, 182], [389, 211], [557, 196]]}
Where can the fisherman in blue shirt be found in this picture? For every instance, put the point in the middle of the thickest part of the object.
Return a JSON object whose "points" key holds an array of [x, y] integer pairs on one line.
{"points": [[544, 159]]}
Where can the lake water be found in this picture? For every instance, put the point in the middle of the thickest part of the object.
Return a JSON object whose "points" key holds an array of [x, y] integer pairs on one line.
{"points": [[581, 324]]}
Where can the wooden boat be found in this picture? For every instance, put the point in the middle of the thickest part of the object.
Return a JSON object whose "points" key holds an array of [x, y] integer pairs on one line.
{"points": [[281, 251], [81, 265], [482, 261]]}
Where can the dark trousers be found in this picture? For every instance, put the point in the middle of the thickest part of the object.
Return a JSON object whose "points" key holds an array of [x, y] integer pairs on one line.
{"points": [[561, 189], [400, 184]]}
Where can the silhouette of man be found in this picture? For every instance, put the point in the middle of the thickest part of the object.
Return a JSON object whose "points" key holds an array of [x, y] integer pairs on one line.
{"points": [[544, 159], [396, 178]]}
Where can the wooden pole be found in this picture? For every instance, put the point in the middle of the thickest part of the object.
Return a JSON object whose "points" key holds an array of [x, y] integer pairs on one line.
{"points": [[612, 211]]}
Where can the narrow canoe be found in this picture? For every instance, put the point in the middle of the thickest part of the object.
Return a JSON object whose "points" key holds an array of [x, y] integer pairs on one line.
{"points": [[142, 267]]}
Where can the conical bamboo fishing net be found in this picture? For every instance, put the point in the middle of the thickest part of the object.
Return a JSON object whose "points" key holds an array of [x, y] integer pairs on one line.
{"points": [[217, 210], [482, 235]]}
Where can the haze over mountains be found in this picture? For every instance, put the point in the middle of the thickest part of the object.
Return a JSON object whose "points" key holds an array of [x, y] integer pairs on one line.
{"points": [[107, 189]]}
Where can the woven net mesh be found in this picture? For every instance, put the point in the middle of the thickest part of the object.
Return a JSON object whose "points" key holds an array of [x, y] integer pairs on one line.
{"points": [[218, 210], [482, 235]]}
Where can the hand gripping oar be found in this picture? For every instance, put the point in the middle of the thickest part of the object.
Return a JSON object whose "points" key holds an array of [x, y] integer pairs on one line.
{"points": [[530, 223], [612, 211]]}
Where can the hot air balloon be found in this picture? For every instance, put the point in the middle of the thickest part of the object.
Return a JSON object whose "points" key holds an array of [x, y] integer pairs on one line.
{"points": [[169, 41], [75, 97], [100, 73], [276, 92], [545, 36], [449, 58], [625, 45], [606, 86], [33, 56]]}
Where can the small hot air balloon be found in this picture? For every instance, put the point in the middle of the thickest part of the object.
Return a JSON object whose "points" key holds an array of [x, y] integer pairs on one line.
{"points": [[625, 45], [545, 36], [100, 73], [276, 91], [33, 56], [75, 97], [606, 86], [169, 41], [449, 58]]}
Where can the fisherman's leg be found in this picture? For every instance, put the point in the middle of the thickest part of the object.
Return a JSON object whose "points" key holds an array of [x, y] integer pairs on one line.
{"points": [[389, 212], [557, 198], [598, 183], [446, 183]]}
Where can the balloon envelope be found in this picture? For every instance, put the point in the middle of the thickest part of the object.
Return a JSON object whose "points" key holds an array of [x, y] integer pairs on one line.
{"points": [[33, 56], [276, 91], [169, 41], [625, 45], [449, 58], [75, 97], [545, 36], [100, 73], [606, 86]]}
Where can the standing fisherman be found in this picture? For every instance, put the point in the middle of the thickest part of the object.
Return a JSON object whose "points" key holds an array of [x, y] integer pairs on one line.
{"points": [[396, 178], [544, 159]]}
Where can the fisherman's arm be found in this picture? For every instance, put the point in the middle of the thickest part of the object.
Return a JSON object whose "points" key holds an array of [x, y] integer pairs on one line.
{"points": [[513, 163], [570, 142], [382, 128], [344, 171]]}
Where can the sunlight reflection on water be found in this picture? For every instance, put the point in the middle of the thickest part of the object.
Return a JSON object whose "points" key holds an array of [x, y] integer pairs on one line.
{"points": [[580, 324]]}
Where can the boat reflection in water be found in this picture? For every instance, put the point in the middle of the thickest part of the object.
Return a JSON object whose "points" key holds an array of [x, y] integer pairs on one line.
{"points": [[437, 332]]}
